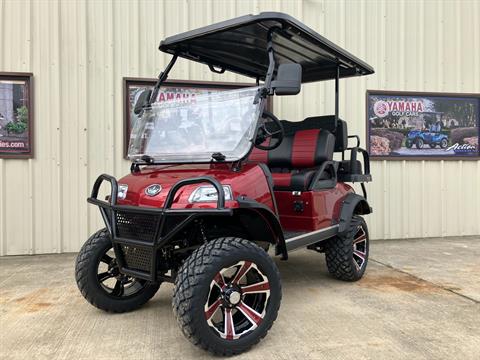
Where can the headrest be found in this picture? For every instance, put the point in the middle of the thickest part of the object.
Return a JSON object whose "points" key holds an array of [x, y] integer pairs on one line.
{"points": [[321, 122]]}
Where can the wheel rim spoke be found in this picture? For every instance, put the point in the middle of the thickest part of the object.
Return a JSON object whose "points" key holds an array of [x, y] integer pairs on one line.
{"points": [[212, 309], [360, 239], [254, 317], [219, 281], [260, 287], [242, 271], [118, 289], [229, 325], [104, 276], [360, 254], [106, 259]]}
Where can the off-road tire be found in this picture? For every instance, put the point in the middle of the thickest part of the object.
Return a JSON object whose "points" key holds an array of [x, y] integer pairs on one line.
{"points": [[192, 287], [86, 276], [433, 145], [419, 143], [408, 144], [444, 143], [339, 253]]}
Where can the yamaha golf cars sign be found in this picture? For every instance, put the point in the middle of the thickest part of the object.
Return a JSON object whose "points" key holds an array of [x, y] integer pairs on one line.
{"points": [[404, 125]]}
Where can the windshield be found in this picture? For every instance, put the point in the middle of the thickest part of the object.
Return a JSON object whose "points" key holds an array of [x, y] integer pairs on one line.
{"points": [[193, 130]]}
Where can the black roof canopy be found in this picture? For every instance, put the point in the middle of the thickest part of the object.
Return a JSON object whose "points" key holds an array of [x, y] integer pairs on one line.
{"points": [[240, 45]]}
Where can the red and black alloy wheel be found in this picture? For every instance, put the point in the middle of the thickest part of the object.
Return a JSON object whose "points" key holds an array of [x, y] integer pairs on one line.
{"points": [[347, 254], [237, 300], [360, 248], [227, 295]]}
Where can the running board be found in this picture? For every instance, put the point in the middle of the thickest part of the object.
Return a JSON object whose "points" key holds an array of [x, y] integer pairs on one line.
{"points": [[310, 238]]}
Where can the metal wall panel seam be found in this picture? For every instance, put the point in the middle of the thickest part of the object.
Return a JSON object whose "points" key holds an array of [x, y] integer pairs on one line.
{"points": [[58, 107], [113, 119], [403, 82], [386, 227], [31, 169], [443, 198], [403, 206], [3, 241], [478, 196], [460, 213], [423, 215], [82, 91]]}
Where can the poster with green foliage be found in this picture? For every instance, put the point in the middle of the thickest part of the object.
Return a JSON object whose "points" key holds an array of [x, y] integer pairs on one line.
{"points": [[15, 116], [405, 125]]}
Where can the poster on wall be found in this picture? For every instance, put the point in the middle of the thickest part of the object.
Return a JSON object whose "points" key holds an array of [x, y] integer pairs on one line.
{"points": [[16, 118], [171, 90], [413, 125]]}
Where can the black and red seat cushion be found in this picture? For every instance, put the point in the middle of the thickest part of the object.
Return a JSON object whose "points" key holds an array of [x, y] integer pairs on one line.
{"points": [[293, 164]]}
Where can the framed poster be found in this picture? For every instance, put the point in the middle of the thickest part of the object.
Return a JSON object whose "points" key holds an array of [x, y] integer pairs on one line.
{"points": [[16, 115], [170, 89], [422, 126]]}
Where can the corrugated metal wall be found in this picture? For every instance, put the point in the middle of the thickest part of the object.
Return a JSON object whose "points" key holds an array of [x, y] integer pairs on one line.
{"points": [[80, 50]]}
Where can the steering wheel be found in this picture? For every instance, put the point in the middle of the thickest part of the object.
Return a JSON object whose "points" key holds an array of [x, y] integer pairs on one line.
{"points": [[270, 128]]}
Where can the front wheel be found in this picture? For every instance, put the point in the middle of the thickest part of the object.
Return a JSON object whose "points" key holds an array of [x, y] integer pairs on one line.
{"points": [[347, 254], [444, 143], [408, 144], [100, 281], [419, 143], [227, 295]]}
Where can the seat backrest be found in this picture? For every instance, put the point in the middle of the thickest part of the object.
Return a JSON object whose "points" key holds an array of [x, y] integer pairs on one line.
{"points": [[321, 122], [298, 150]]}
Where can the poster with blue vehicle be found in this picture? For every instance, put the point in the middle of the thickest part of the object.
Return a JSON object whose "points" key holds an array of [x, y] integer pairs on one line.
{"points": [[413, 125]]}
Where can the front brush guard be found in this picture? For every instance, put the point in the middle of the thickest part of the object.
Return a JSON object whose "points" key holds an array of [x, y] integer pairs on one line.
{"points": [[137, 242]]}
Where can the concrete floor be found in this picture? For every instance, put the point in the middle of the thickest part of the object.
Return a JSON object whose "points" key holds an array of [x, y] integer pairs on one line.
{"points": [[419, 299]]}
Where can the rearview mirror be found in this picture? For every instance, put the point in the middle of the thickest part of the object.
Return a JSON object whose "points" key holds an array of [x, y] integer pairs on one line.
{"points": [[288, 80], [142, 101]]}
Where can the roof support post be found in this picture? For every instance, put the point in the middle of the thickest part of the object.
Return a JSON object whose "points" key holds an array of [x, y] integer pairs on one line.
{"points": [[271, 60], [337, 81], [162, 77]]}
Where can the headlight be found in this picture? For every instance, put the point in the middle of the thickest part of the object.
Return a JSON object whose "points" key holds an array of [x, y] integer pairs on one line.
{"points": [[209, 193], [122, 191]]}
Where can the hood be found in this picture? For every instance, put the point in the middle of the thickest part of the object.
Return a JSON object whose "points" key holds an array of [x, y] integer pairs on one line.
{"points": [[166, 176]]}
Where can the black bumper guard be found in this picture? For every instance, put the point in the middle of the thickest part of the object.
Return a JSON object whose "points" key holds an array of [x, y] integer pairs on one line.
{"points": [[139, 232]]}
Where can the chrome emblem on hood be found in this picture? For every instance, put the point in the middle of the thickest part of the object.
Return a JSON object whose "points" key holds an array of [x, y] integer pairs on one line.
{"points": [[153, 189]]}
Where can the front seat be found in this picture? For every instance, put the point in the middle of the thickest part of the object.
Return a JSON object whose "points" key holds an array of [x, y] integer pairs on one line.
{"points": [[298, 158]]}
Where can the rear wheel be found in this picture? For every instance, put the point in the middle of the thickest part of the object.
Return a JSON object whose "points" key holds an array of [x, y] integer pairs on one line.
{"points": [[227, 295], [347, 255], [433, 145], [100, 281], [408, 144], [419, 143]]}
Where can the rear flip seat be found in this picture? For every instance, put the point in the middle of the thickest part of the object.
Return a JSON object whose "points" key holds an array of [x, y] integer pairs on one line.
{"points": [[294, 163]]}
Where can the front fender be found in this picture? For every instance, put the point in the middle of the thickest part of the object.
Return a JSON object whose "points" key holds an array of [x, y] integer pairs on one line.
{"points": [[353, 204], [263, 222]]}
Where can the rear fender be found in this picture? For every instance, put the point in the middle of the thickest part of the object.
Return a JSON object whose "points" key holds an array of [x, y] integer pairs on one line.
{"points": [[353, 204]]}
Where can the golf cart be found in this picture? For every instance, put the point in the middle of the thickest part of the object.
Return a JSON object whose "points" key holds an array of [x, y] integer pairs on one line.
{"points": [[431, 136], [214, 183]]}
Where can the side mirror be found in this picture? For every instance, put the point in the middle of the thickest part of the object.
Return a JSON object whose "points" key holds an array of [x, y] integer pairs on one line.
{"points": [[288, 80], [142, 101]]}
